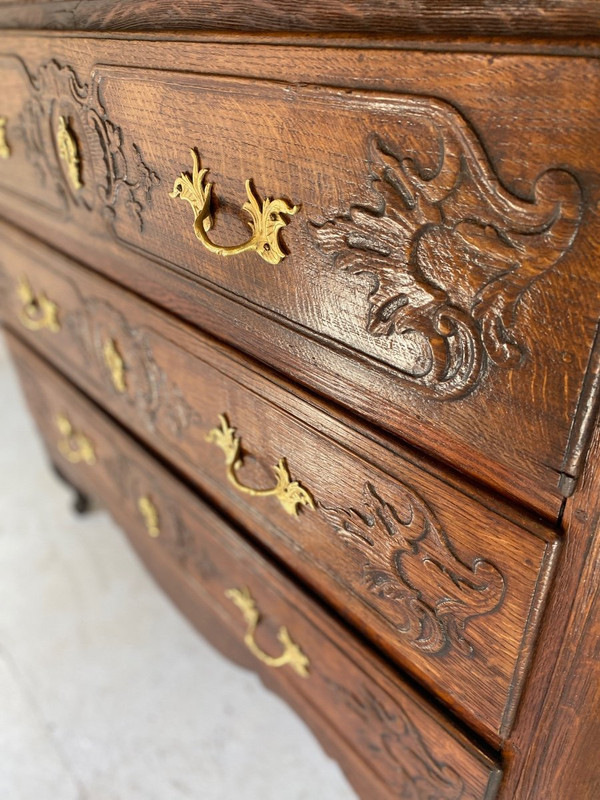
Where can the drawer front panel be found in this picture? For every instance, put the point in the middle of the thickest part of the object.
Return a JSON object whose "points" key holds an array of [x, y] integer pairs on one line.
{"points": [[394, 244], [252, 610], [445, 582]]}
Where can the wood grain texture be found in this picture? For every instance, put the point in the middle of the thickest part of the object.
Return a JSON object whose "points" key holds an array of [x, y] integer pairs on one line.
{"points": [[286, 315], [450, 589], [403, 17], [380, 729]]}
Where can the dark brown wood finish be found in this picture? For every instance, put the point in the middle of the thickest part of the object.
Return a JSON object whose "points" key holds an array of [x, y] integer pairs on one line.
{"points": [[553, 752], [450, 589], [450, 343], [439, 283], [385, 735], [553, 18]]}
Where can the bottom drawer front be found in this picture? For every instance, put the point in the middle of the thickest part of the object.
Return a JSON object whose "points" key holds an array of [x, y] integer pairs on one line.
{"points": [[378, 727]]}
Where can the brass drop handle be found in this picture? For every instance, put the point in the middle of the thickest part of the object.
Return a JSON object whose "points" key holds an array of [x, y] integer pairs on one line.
{"points": [[265, 223], [289, 493], [150, 516], [115, 365], [68, 151], [37, 311], [74, 445], [4, 147], [292, 653]]}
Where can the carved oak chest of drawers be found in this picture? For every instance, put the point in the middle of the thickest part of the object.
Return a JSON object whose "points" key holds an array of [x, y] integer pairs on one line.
{"points": [[313, 311]]}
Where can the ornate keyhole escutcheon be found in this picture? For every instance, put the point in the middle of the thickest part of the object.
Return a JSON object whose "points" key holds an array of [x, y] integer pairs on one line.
{"points": [[68, 151], [150, 516], [4, 146]]}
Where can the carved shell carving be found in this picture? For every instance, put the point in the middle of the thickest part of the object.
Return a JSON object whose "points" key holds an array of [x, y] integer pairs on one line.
{"points": [[113, 170], [408, 560], [450, 252]]}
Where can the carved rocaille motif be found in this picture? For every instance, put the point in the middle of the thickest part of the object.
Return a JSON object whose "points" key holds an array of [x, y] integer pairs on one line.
{"points": [[451, 253], [111, 169], [393, 735], [409, 561], [157, 400]]}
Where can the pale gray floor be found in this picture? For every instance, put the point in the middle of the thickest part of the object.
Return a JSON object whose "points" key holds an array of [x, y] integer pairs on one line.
{"points": [[106, 692]]}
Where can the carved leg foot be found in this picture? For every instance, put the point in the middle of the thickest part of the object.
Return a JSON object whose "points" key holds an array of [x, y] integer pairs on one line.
{"points": [[82, 503]]}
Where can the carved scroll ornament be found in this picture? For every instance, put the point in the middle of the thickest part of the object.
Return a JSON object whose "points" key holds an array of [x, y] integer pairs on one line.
{"points": [[99, 163], [389, 733], [450, 252], [408, 560]]}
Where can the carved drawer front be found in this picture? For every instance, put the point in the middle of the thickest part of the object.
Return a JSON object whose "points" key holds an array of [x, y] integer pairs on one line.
{"points": [[257, 615], [415, 253], [447, 580]]}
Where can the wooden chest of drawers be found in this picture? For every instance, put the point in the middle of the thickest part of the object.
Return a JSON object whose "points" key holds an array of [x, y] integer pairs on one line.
{"points": [[342, 293]]}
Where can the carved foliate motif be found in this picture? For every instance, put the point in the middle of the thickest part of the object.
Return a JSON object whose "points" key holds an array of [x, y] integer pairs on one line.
{"points": [[408, 560], [391, 734], [449, 251], [158, 402], [110, 170], [134, 484]]}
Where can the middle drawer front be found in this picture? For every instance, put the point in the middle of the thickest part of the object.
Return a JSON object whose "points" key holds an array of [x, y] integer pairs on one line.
{"points": [[448, 587]]}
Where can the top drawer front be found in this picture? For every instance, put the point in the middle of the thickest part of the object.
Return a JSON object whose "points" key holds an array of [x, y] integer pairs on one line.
{"points": [[427, 249]]}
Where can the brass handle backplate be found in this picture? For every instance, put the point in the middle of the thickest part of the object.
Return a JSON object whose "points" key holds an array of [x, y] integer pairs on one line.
{"points": [[68, 151], [149, 513], [37, 311], [4, 148], [289, 493], [292, 653], [265, 223], [74, 445]]}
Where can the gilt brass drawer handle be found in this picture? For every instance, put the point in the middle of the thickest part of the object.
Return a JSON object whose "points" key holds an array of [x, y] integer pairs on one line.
{"points": [[74, 446], [69, 152], [149, 513], [115, 365], [292, 654], [289, 493], [265, 223], [4, 148], [37, 312]]}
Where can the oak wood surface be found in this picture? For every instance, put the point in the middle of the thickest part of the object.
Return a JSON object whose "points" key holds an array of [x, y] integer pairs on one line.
{"points": [[450, 589], [527, 113], [385, 735], [319, 315], [552, 18], [553, 751]]}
